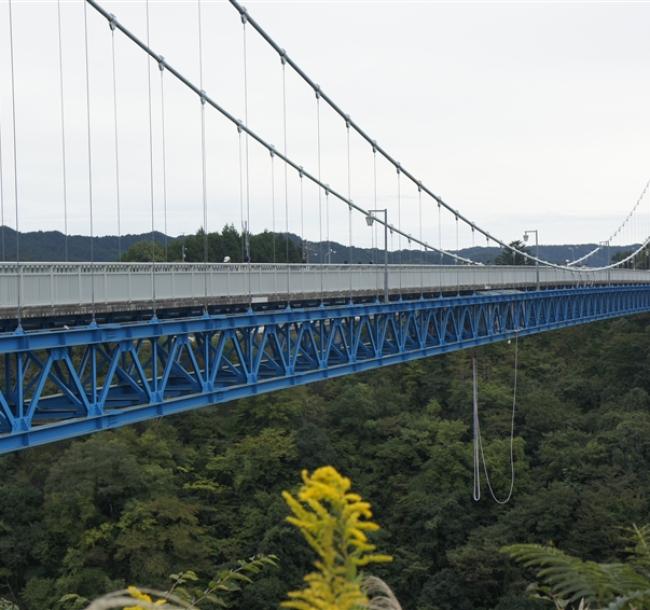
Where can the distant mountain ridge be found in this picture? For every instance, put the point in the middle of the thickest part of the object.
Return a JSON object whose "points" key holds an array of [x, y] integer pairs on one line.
{"points": [[50, 246]]}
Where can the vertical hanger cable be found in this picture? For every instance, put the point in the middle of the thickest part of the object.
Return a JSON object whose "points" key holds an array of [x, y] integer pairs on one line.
{"points": [[63, 151], [204, 171], [286, 180], [347, 133], [90, 163], [116, 145], [151, 187], [19, 281], [2, 201], [320, 196], [161, 67], [248, 198]]}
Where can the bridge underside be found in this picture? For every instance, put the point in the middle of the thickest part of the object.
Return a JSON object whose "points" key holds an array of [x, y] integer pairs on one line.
{"points": [[62, 383]]}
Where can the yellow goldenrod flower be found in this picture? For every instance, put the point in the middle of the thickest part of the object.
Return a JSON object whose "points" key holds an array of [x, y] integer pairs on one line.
{"points": [[135, 593], [334, 522]]}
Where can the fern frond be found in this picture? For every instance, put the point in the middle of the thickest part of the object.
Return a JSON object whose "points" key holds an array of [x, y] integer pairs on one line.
{"points": [[639, 550], [634, 601], [573, 579]]}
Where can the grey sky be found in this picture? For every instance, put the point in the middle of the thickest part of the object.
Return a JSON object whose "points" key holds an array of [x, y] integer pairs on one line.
{"points": [[521, 115]]}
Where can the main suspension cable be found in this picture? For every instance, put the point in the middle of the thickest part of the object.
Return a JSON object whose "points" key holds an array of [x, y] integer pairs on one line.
{"points": [[248, 132], [334, 106], [257, 138], [616, 232]]}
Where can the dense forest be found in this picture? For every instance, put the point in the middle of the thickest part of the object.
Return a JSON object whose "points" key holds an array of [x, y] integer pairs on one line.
{"points": [[202, 490]]}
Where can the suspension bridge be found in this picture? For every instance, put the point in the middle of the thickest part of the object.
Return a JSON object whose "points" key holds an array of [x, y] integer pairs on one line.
{"points": [[88, 346]]}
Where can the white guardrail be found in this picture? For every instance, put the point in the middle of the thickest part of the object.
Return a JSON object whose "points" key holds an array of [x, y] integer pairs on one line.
{"points": [[65, 284]]}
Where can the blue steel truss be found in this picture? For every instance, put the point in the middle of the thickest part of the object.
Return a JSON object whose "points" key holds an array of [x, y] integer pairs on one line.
{"points": [[58, 384]]}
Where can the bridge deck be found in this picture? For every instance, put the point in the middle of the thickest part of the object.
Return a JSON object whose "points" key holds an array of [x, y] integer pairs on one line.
{"points": [[67, 289]]}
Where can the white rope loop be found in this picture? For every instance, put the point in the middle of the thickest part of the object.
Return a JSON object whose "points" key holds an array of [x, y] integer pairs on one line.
{"points": [[478, 441]]}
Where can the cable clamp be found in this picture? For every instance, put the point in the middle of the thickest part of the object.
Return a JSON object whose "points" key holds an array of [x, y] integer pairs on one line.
{"points": [[112, 22], [202, 96], [374, 146], [161, 63], [398, 167], [300, 172], [283, 56], [347, 121], [327, 190], [272, 150], [240, 126], [317, 91], [244, 15], [419, 186]]}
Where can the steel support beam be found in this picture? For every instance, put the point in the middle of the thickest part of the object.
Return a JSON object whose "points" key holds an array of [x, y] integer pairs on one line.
{"points": [[60, 384]]}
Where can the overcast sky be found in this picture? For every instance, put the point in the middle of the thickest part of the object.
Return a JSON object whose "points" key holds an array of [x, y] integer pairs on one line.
{"points": [[521, 115]]}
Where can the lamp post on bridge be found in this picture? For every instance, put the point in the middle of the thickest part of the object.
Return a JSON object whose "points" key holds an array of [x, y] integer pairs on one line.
{"points": [[608, 259], [526, 234], [369, 220]]}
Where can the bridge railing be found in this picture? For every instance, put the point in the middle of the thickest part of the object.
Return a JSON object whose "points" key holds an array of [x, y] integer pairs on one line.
{"points": [[45, 285]]}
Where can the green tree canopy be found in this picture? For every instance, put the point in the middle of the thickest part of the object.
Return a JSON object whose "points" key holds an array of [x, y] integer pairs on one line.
{"points": [[508, 257]]}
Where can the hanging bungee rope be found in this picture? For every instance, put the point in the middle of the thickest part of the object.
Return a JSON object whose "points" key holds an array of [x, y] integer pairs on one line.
{"points": [[479, 455]]}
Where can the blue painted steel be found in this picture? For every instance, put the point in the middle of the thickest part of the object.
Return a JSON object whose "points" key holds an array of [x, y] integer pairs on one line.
{"points": [[58, 384]]}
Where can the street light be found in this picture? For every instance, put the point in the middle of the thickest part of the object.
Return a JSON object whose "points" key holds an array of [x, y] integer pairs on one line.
{"points": [[182, 247], [526, 234], [608, 260], [370, 218]]}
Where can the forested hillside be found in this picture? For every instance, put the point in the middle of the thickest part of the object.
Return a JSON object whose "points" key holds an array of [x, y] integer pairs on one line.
{"points": [[201, 490], [51, 246]]}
